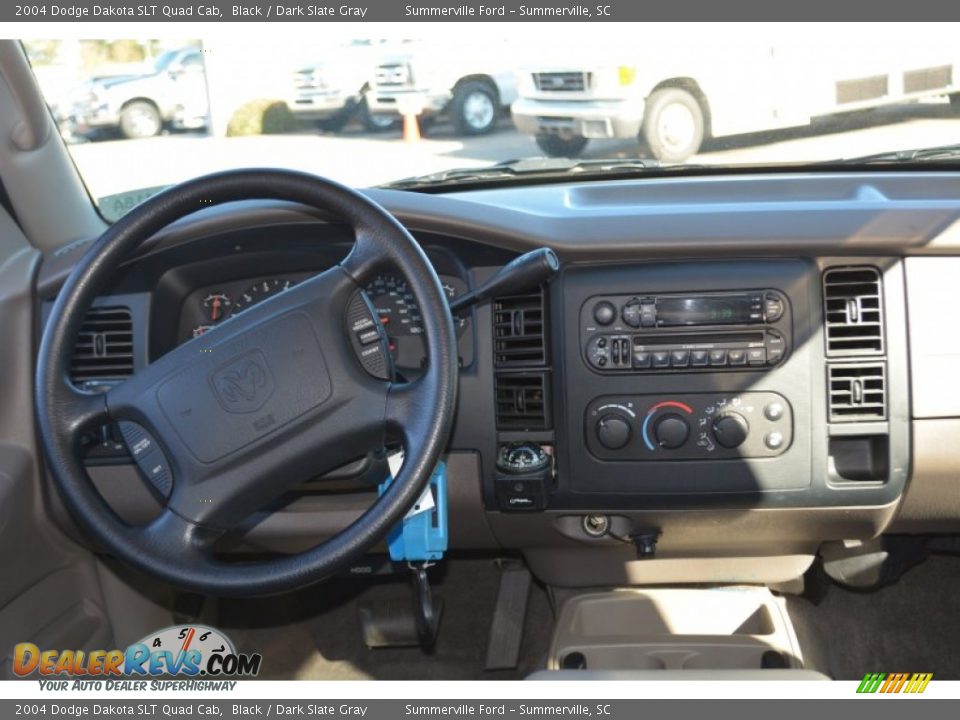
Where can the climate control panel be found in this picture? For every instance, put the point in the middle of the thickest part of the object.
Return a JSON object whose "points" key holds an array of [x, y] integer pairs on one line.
{"points": [[691, 426]]}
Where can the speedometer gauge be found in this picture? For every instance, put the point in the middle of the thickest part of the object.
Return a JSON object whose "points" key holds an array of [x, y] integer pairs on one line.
{"points": [[400, 315], [395, 305]]}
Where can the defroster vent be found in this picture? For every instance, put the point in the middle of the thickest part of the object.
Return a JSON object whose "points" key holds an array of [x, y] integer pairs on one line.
{"points": [[104, 347]]}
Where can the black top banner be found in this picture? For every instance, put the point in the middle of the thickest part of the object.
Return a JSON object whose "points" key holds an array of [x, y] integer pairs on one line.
{"points": [[97, 11]]}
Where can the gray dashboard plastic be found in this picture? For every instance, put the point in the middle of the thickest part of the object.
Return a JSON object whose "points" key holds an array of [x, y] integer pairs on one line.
{"points": [[848, 217]]}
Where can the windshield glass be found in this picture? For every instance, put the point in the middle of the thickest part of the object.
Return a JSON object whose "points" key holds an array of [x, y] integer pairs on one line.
{"points": [[368, 109]]}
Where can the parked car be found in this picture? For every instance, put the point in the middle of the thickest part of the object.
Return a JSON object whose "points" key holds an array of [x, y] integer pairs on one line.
{"points": [[172, 93], [673, 99], [471, 86], [330, 91]]}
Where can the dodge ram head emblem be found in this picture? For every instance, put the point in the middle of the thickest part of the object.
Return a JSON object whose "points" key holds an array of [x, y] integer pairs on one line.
{"points": [[245, 384]]}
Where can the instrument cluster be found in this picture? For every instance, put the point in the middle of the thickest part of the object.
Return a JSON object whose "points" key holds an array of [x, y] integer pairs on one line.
{"points": [[396, 308]]}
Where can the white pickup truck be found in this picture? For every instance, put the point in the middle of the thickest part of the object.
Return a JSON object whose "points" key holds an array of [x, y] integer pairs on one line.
{"points": [[472, 86], [673, 97]]}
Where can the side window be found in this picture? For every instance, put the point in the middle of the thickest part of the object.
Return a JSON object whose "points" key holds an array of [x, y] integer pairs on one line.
{"points": [[193, 60]]}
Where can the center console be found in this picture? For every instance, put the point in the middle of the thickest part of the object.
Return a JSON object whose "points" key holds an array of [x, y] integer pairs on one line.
{"points": [[708, 384]]}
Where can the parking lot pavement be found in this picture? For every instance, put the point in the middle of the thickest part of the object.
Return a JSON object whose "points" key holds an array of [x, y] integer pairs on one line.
{"points": [[362, 159]]}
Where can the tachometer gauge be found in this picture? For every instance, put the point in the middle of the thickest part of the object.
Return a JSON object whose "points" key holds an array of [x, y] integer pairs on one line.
{"points": [[261, 291], [216, 306]]}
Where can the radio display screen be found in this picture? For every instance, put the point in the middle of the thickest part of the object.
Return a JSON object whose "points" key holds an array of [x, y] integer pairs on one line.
{"points": [[721, 310]]}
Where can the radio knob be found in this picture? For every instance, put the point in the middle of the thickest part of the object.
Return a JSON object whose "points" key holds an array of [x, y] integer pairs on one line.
{"points": [[631, 312], [671, 431], [604, 313], [730, 430], [613, 432]]}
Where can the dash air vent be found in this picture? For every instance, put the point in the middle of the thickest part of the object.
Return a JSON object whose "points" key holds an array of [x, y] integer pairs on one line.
{"points": [[519, 324], [857, 392], [853, 302], [104, 347], [523, 401]]}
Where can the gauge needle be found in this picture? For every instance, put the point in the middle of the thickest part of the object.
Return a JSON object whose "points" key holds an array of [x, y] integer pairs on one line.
{"points": [[384, 319], [215, 315]]}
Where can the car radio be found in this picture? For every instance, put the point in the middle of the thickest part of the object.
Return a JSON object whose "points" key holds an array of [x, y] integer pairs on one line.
{"points": [[745, 330]]}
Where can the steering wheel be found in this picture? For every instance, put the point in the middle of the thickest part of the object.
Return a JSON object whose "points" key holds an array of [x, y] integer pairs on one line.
{"points": [[284, 391]]}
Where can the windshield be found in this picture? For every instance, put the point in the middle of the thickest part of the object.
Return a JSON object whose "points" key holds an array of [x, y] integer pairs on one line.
{"points": [[373, 110]]}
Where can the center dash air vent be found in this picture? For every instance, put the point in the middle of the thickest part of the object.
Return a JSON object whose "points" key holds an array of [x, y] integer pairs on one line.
{"points": [[519, 330], [104, 347], [853, 302], [857, 392], [523, 401]]}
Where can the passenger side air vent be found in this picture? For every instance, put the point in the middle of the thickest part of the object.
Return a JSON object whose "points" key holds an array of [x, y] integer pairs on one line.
{"points": [[104, 347], [853, 302], [519, 330], [857, 392], [523, 401]]}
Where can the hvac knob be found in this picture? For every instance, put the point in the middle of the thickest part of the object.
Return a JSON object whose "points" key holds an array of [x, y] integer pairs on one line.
{"points": [[671, 431], [730, 430], [613, 432]]}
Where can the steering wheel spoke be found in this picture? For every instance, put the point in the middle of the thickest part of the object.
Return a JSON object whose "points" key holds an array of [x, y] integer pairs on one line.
{"points": [[270, 398]]}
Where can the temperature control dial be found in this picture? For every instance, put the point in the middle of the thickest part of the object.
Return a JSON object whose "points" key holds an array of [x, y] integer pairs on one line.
{"points": [[730, 430], [613, 431], [671, 431]]}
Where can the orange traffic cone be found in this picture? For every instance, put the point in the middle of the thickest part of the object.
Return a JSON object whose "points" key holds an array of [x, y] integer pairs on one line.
{"points": [[411, 128]]}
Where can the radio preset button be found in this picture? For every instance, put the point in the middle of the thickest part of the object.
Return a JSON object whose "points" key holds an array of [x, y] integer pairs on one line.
{"points": [[699, 358], [737, 357], [604, 313], [756, 356], [679, 358], [661, 359], [718, 357], [641, 359]]}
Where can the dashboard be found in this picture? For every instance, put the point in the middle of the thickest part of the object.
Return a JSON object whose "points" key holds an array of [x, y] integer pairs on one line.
{"points": [[722, 363]]}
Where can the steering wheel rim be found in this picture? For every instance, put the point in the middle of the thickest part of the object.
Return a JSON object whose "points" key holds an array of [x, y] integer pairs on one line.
{"points": [[308, 376]]}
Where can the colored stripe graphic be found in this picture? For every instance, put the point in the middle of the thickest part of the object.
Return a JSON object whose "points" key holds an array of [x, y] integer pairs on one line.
{"points": [[913, 683]]}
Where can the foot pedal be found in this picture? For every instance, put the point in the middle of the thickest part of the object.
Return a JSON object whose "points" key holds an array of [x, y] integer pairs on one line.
{"points": [[399, 623], [506, 632]]}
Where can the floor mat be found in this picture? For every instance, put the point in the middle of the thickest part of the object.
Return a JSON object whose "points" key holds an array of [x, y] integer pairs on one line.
{"points": [[315, 634], [910, 626]]}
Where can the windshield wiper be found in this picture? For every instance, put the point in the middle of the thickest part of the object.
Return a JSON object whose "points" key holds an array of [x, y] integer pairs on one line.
{"points": [[528, 167], [941, 153]]}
